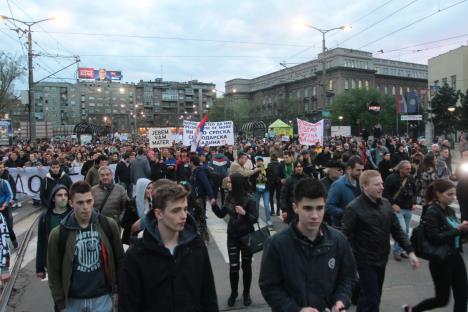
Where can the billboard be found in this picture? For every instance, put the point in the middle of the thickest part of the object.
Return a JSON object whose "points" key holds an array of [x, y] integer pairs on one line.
{"points": [[100, 74]]}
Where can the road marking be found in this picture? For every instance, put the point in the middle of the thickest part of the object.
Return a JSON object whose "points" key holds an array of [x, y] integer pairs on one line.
{"points": [[218, 230]]}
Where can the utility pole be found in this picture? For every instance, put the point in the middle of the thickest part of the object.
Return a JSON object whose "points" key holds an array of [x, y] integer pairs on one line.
{"points": [[32, 104], [323, 61]]}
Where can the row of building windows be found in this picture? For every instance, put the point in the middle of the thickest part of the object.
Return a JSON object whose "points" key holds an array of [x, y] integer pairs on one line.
{"points": [[453, 82]]}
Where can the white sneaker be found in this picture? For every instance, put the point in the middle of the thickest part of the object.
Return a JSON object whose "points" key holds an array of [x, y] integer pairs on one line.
{"points": [[19, 205]]}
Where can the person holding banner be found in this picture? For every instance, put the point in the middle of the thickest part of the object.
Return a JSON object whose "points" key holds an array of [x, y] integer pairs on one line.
{"points": [[6, 196]]}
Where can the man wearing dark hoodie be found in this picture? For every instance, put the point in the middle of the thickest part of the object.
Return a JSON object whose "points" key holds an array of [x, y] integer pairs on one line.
{"points": [[169, 268], [54, 176], [56, 211], [84, 256]]}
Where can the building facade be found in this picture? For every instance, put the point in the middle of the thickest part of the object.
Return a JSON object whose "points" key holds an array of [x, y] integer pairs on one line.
{"points": [[299, 90], [125, 107], [167, 103], [450, 68]]}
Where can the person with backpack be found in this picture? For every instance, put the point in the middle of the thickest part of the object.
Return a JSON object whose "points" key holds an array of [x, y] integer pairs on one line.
{"points": [[84, 256], [201, 189]]}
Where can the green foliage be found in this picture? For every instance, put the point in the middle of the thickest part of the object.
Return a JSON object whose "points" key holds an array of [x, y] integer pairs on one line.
{"points": [[445, 122], [239, 111], [10, 70], [353, 106], [463, 115]]}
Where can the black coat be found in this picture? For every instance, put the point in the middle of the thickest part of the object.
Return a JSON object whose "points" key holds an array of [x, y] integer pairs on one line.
{"points": [[438, 231], [274, 173], [296, 272], [407, 196], [152, 279], [238, 225], [48, 183], [287, 196], [122, 173], [368, 226]]}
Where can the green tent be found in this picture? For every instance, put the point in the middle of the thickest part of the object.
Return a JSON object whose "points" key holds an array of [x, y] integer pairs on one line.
{"points": [[281, 128]]}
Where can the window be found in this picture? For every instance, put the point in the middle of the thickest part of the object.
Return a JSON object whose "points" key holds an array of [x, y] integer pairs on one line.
{"points": [[393, 90], [346, 84], [314, 91], [330, 85], [453, 81], [444, 81], [367, 84], [407, 89], [385, 90], [360, 84], [353, 83], [401, 90]]}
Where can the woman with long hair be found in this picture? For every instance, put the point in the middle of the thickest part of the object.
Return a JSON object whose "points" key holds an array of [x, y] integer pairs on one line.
{"points": [[442, 227], [242, 216]]}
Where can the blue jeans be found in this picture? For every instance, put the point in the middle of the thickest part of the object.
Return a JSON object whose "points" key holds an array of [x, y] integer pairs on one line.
{"points": [[101, 304], [404, 217], [263, 192]]}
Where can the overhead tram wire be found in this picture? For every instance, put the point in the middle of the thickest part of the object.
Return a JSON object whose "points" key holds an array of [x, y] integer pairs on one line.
{"points": [[41, 27], [383, 51], [355, 21], [16, 27], [378, 22], [177, 38], [413, 23], [362, 17]]}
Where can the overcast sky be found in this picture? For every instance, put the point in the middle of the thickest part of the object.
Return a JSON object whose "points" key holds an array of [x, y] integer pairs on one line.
{"points": [[215, 41]]}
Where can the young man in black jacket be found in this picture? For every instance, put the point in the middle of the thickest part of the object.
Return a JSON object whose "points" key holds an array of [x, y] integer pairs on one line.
{"points": [[368, 222], [57, 209], [169, 268], [308, 266]]}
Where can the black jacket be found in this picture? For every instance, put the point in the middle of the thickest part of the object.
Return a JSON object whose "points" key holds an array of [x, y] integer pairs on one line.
{"points": [[122, 173], [368, 226], [297, 273], [48, 183], [44, 229], [438, 231], [238, 225], [407, 196], [158, 170], [154, 280], [287, 196], [274, 173]]}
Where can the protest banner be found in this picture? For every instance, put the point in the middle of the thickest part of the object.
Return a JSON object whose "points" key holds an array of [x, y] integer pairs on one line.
{"points": [[213, 133], [341, 131], [28, 179], [160, 137], [310, 133]]}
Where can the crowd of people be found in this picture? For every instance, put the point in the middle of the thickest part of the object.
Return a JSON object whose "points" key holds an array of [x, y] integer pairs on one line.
{"points": [[342, 201]]}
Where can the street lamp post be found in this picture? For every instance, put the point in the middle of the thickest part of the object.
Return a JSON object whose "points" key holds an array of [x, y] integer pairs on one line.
{"points": [[341, 119], [324, 49], [31, 106]]}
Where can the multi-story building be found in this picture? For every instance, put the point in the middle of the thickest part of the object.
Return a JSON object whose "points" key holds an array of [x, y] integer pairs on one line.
{"points": [[450, 68], [167, 103], [108, 104], [122, 106], [299, 89]]}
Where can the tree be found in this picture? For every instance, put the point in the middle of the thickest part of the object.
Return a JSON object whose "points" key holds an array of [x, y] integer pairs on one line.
{"points": [[353, 106], [463, 109], [216, 112], [445, 121], [10, 70]]}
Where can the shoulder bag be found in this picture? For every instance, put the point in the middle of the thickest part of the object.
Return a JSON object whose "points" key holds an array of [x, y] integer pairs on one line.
{"points": [[425, 249], [254, 241]]}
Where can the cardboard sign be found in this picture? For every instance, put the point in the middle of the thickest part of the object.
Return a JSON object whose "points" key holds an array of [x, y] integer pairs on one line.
{"points": [[160, 137], [310, 133], [213, 133]]}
